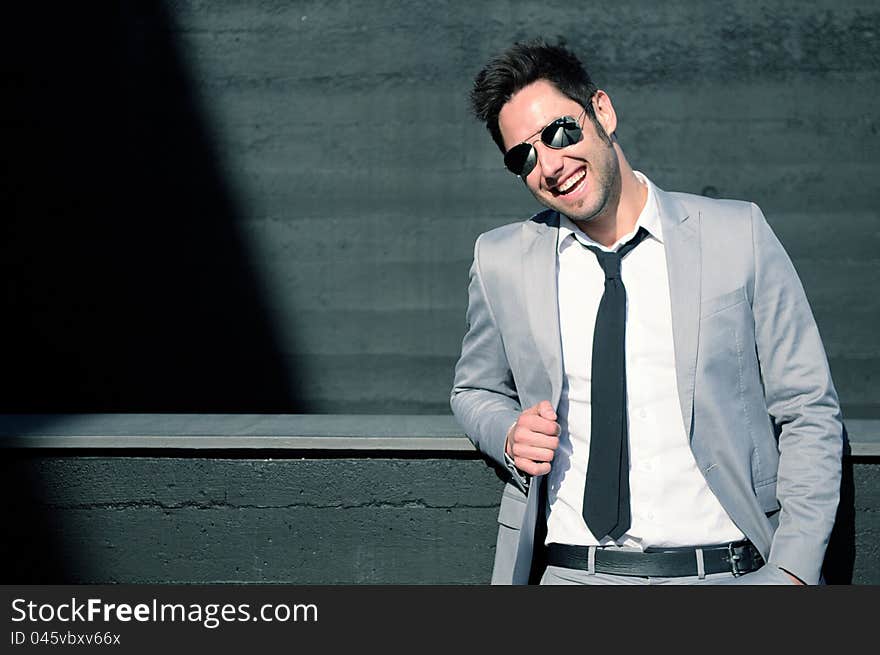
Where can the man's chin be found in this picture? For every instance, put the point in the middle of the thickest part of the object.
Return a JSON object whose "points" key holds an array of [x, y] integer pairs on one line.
{"points": [[574, 211], [581, 211], [578, 214]]}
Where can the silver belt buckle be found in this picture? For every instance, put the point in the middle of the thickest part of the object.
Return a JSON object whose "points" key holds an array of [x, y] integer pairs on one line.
{"points": [[734, 558]]}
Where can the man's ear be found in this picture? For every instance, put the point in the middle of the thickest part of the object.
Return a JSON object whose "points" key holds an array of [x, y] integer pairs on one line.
{"points": [[604, 111]]}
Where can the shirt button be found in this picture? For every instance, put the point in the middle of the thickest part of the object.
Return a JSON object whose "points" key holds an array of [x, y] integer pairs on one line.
{"points": [[643, 414]]}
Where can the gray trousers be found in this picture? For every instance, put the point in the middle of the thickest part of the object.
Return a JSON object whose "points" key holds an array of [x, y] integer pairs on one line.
{"points": [[556, 575]]}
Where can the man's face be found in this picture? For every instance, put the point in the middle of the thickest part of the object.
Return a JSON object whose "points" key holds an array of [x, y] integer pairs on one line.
{"points": [[581, 180]]}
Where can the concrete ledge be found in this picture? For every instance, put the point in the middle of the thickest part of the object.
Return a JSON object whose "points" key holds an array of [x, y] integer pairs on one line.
{"points": [[234, 431], [864, 437], [386, 432]]}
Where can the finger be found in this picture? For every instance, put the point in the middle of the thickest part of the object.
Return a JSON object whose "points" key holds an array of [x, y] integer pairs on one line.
{"points": [[546, 410], [533, 453], [540, 424], [527, 437], [536, 440], [530, 467], [530, 411]]}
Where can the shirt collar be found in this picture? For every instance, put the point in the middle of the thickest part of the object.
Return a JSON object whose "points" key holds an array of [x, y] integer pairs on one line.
{"points": [[649, 218]]}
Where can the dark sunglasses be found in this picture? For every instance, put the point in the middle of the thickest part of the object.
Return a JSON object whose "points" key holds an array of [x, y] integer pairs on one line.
{"points": [[561, 133]]}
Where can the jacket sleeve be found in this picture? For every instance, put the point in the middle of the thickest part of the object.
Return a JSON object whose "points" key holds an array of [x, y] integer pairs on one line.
{"points": [[484, 397], [803, 406]]}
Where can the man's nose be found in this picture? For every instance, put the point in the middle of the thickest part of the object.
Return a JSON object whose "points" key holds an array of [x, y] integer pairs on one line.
{"points": [[550, 160]]}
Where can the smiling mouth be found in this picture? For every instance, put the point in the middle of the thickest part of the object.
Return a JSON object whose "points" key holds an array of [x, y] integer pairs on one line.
{"points": [[571, 183]]}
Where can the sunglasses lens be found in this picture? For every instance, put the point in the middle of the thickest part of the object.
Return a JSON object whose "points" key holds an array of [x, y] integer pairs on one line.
{"points": [[561, 133], [520, 159]]}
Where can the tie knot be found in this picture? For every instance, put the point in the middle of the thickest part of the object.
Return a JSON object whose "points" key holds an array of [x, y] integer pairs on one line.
{"points": [[610, 261]]}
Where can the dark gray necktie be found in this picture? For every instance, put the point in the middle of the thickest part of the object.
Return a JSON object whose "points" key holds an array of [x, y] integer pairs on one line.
{"points": [[606, 493]]}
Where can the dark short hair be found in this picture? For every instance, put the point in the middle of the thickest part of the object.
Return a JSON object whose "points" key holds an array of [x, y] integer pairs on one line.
{"points": [[518, 67]]}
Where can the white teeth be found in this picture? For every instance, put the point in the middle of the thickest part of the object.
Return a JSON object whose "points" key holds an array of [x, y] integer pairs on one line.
{"points": [[570, 182]]}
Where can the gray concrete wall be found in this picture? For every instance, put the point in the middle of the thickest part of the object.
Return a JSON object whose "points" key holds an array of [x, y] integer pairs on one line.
{"points": [[315, 519], [296, 498], [296, 187], [366, 231]]}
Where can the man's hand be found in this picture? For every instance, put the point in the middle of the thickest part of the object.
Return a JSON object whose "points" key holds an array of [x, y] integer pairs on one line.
{"points": [[533, 439]]}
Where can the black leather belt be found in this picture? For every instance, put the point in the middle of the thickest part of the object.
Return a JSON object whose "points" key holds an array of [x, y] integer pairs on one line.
{"points": [[736, 558]]}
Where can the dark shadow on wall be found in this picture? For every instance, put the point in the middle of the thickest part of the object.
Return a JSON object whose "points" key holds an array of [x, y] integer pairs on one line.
{"points": [[33, 549], [126, 285]]}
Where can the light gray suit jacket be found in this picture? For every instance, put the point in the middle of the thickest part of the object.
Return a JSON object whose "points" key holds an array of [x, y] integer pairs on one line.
{"points": [[758, 403]]}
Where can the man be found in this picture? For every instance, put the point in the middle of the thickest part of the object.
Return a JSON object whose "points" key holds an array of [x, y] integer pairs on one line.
{"points": [[643, 364]]}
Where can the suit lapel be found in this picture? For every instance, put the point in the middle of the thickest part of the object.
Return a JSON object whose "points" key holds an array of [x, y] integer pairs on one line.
{"points": [[681, 237], [539, 270]]}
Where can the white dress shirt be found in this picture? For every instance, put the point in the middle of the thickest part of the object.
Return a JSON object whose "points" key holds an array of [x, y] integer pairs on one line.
{"points": [[670, 501]]}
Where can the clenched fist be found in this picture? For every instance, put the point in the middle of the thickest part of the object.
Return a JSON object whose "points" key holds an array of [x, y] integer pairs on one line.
{"points": [[533, 439]]}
